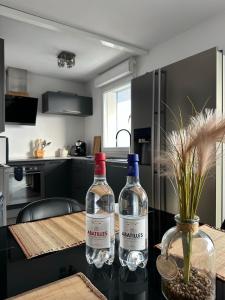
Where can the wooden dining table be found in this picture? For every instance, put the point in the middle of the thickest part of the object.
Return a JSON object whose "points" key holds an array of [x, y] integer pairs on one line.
{"points": [[19, 274]]}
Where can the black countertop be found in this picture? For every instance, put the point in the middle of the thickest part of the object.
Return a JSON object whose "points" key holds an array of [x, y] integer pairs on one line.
{"points": [[26, 160], [18, 274]]}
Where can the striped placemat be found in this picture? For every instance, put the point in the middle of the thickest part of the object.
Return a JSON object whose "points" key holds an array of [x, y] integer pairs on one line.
{"points": [[218, 238], [53, 234], [76, 287]]}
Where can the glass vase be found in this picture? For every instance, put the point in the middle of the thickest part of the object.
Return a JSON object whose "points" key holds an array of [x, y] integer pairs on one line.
{"points": [[187, 262]]}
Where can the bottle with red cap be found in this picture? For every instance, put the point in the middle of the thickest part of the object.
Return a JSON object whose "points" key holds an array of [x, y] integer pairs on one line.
{"points": [[100, 203]]}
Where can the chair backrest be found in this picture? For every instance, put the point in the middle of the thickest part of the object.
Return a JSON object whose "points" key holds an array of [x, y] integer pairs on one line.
{"points": [[46, 208], [223, 225]]}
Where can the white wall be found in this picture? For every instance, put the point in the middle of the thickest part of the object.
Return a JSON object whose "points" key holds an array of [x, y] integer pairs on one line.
{"points": [[207, 35], [60, 130], [93, 124]]}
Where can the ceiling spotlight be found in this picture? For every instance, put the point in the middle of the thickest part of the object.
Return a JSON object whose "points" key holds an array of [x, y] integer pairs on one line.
{"points": [[66, 59]]}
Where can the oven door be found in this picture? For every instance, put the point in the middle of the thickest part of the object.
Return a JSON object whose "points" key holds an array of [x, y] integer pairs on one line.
{"points": [[26, 188]]}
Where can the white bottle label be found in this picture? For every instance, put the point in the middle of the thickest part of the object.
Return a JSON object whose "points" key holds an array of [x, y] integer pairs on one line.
{"points": [[98, 231], [133, 233]]}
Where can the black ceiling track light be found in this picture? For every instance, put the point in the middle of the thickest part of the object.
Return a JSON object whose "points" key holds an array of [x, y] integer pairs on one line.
{"points": [[66, 59]]}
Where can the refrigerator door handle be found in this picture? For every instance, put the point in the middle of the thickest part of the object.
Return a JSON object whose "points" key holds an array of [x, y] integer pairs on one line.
{"points": [[158, 141], [153, 143]]}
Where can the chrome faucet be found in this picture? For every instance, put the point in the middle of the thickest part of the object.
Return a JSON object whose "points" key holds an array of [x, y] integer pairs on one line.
{"points": [[123, 129]]}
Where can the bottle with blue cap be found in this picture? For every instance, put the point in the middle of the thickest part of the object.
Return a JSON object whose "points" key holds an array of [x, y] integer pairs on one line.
{"points": [[133, 218]]}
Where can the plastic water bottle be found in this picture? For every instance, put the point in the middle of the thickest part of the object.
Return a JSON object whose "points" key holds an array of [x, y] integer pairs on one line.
{"points": [[133, 218], [100, 203]]}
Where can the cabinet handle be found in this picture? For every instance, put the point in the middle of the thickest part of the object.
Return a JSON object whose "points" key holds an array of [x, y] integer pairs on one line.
{"points": [[68, 111], [116, 166]]}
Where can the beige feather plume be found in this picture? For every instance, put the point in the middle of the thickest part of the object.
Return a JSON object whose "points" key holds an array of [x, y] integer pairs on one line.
{"points": [[191, 152]]}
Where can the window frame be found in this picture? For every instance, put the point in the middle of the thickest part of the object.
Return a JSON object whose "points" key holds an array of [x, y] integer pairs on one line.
{"points": [[114, 151]]}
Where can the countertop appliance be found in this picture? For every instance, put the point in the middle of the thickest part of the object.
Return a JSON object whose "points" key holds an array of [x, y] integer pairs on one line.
{"points": [[79, 149], [4, 150], [20, 110], [160, 95]]}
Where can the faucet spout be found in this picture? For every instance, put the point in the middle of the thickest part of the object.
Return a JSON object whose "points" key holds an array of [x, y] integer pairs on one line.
{"points": [[123, 129]]}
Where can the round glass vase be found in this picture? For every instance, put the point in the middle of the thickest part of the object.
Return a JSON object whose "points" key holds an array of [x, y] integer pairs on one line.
{"points": [[187, 262]]}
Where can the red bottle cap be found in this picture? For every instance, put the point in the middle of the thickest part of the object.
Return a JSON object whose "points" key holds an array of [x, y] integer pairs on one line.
{"points": [[99, 156], [100, 168]]}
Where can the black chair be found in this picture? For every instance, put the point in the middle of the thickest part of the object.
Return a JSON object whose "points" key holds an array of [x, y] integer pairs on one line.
{"points": [[223, 225], [46, 208]]}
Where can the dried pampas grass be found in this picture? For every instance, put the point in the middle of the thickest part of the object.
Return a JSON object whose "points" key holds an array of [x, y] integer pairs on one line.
{"points": [[191, 152]]}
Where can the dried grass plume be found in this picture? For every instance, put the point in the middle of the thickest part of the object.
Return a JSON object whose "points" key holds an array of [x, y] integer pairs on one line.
{"points": [[191, 152]]}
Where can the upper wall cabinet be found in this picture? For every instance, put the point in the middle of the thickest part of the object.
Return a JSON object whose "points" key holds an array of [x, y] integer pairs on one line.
{"points": [[2, 85], [66, 104]]}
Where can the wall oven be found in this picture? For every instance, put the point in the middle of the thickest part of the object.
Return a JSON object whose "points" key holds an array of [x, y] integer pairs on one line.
{"points": [[26, 184]]}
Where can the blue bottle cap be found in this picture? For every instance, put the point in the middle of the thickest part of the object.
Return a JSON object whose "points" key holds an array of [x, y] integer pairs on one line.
{"points": [[133, 160], [133, 157]]}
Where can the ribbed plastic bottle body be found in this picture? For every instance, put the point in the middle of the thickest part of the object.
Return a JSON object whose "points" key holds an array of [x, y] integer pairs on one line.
{"points": [[100, 232], [133, 217]]}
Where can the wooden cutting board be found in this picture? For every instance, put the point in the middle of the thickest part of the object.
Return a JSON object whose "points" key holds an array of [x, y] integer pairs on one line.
{"points": [[96, 145]]}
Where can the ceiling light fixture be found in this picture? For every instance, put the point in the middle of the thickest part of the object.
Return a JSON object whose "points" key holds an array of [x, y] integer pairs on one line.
{"points": [[112, 45], [108, 44], [66, 59]]}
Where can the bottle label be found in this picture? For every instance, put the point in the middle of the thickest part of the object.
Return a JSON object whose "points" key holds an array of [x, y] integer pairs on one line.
{"points": [[98, 231], [133, 233]]}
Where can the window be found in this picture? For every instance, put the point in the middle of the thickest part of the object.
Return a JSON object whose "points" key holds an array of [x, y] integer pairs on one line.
{"points": [[117, 115]]}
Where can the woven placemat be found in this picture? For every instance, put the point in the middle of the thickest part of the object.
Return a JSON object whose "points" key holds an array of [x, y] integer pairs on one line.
{"points": [[73, 287], [218, 238], [53, 234]]}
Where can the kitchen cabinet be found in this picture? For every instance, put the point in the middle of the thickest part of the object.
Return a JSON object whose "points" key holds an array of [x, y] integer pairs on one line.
{"points": [[66, 104], [81, 178], [73, 177], [56, 178], [116, 177], [2, 86]]}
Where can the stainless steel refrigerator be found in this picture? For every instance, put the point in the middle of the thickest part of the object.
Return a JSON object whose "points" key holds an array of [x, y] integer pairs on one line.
{"points": [[154, 96]]}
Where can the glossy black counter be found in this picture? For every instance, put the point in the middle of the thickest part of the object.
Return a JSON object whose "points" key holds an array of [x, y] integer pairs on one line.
{"points": [[17, 274]]}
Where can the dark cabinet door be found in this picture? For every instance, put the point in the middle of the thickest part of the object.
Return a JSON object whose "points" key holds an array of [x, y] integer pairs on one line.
{"points": [[82, 178], [57, 179], [83, 175], [116, 177], [89, 174], [66, 103], [2, 85]]}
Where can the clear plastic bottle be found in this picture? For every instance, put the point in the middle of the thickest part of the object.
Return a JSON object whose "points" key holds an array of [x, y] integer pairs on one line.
{"points": [[100, 205], [133, 218]]}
